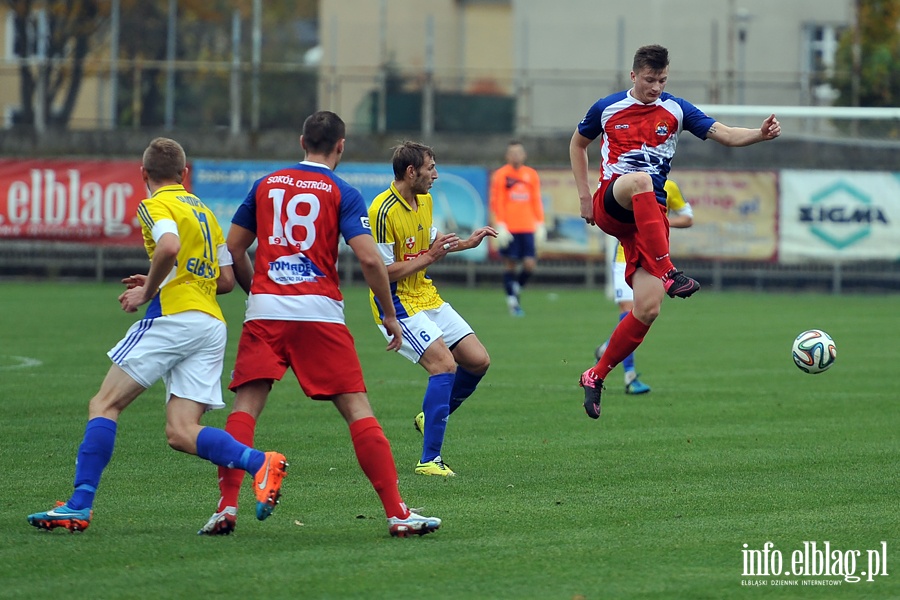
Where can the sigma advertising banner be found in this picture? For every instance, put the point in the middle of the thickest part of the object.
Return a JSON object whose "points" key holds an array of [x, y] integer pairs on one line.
{"points": [[735, 215], [459, 192], [839, 215], [71, 200]]}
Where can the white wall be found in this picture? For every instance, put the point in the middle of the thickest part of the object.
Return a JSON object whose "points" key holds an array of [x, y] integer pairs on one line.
{"points": [[597, 38]]}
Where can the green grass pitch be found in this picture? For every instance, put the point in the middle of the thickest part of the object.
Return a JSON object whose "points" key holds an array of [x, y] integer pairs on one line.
{"points": [[733, 446]]}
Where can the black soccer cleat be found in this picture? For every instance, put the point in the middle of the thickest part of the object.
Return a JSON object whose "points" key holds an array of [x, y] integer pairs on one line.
{"points": [[678, 284], [593, 387]]}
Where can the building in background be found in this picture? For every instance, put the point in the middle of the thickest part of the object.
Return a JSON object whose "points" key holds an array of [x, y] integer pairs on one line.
{"points": [[28, 48], [382, 60], [528, 67], [386, 62]]}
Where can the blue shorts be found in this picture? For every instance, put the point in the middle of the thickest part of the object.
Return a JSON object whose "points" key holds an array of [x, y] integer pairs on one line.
{"points": [[521, 246]]}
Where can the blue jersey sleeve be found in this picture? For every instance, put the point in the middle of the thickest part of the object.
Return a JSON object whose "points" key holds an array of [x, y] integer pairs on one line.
{"points": [[695, 120], [591, 126], [245, 215], [354, 217]]}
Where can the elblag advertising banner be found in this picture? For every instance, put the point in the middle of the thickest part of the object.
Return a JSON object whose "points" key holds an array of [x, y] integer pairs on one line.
{"points": [[71, 200]]}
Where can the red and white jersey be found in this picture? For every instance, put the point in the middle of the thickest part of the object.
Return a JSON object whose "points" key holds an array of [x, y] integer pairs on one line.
{"points": [[641, 137], [297, 214]]}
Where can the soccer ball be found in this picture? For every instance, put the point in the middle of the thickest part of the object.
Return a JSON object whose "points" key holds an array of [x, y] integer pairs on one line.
{"points": [[814, 351]]}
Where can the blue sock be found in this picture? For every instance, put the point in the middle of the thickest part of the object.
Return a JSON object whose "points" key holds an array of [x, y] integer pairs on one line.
{"points": [[463, 386], [508, 278], [94, 454], [436, 407], [524, 276], [628, 363], [218, 447]]}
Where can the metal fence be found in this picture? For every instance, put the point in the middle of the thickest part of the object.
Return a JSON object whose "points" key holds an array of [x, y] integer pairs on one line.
{"points": [[241, 96], [62, 261]]}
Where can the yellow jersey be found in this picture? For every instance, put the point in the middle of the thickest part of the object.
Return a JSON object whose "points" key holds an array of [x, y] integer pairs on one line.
{"points": [[191, 285], [675, 204], [402, 233]]}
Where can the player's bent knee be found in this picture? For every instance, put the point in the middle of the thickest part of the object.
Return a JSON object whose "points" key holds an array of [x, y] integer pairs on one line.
{"points": [[643, 181], [646, 315], [178, 438], [353, 406], [635, 183], [477, 365]]}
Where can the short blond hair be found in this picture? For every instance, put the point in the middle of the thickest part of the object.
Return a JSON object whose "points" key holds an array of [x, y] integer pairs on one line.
{"points": [[164, 160]]}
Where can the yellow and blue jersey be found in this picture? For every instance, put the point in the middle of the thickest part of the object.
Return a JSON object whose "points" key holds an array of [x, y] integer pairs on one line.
{"points": [[675, 204], [191, 285], [402, 233]]}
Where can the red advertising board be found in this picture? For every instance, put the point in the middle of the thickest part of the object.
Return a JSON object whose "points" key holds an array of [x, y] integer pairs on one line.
{"points": [[71, 200]]}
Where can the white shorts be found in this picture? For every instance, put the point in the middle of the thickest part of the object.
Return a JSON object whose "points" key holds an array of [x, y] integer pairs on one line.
{"points": [[185, 350], [423, 328], [623, 290]]}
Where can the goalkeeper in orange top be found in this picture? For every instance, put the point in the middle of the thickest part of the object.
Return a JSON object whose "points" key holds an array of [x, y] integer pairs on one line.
{"points": [[518, 217]]}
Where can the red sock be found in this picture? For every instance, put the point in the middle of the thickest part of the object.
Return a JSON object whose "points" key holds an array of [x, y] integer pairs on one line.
{"points": [[653, 231], [373, 451], [242, 427], [625, 339]]}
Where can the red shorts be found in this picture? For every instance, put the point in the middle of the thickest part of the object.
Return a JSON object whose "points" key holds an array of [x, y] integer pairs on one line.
{"points": [[636, 253], [321, 355]]}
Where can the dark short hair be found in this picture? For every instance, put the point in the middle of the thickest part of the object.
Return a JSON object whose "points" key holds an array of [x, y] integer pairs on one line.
{"points": [[653, 56], [164, 160], [322, 131], [409, 154]]}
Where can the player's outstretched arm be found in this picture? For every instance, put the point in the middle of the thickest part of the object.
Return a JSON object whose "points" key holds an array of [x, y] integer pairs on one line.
{"points": [[133, 281], [238, 241], [741, 136], [167, 248], [443, 243], [578, 156], [680, 221], [475, 239], [225, 280], [376, 276]]}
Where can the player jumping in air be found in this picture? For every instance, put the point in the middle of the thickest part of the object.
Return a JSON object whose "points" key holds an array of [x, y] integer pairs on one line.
{"points": [[639, 129], [680, 215]]}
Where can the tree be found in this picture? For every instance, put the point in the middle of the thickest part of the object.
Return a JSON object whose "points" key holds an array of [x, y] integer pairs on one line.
{"points": [[879, 46], [55, 39], [203, 34], [51, 69]]}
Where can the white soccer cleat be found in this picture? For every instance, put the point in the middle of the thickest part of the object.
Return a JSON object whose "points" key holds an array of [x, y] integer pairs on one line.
{"points": [[221, 523], [413, 525]]}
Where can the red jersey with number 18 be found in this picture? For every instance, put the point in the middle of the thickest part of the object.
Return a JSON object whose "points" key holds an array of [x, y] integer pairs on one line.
{"points": [[297, 214]]}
